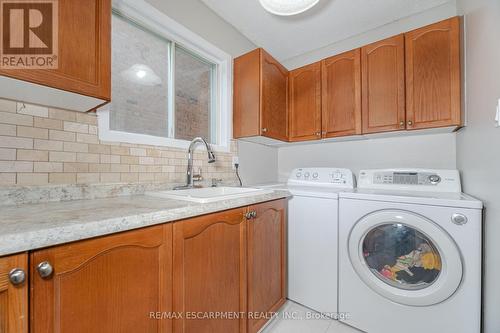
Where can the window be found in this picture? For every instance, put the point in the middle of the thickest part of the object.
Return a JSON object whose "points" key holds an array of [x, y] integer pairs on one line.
{"points": [[139, 80], [194, 87], [168, 85]]}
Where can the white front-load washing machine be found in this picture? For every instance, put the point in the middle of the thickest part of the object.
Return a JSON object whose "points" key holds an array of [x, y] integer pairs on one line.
{"points": [[313, 235], [410, 253]]}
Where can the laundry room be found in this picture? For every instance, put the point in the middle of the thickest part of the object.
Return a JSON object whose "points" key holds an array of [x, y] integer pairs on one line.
{"points": [[249, 166]]}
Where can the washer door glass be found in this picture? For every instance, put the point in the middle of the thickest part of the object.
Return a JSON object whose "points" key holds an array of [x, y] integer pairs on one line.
{"points": [[405, 257], [401, 256]]}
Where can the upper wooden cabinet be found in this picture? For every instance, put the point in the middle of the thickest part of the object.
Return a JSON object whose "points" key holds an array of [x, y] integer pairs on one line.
{"points": [[14, 294], [433, 75], [84, 60], [260, 95], [210, 271], [266, 261], [341, 98], [108, 284], [383, 85], [305, 103], [406, 82]]}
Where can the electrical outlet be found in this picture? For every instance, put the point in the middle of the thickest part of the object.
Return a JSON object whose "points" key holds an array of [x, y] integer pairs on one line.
{"points": [[236, 160]]}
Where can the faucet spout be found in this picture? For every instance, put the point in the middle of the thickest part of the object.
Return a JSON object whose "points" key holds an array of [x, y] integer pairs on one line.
{"points": [[189, 173]]}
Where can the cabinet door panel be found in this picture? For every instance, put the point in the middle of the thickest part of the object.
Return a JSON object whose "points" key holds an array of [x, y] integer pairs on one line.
{"points": [[274, 115], [246, 95], [266, 261], [341, 98], [84, 51], [210, 272], [433, 75], [383, 90], [305, 103], [13, 299], [109, 284]]}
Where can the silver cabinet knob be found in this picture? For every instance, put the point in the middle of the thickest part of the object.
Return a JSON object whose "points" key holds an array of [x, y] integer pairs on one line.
{"points": [[45, 269], [17, 276], [410, 123], [318, 133], [264, 130], [251, 215], [459, 219]]}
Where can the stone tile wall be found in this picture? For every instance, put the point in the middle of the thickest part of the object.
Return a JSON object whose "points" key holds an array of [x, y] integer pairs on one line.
{"points": [[41, 146]]}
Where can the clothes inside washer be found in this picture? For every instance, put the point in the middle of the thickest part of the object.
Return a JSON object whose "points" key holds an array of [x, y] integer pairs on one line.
{"points": [[399, 253], [418, 275]]}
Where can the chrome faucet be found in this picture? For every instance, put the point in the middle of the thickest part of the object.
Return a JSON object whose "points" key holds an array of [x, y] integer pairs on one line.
{"points": [[189, 171]]}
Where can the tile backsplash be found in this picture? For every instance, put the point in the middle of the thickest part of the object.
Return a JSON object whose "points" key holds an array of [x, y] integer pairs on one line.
{"points": [[44, 146]]}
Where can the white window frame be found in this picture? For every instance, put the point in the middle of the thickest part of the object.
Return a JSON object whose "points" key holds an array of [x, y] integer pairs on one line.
{"points": [[151, 18]]}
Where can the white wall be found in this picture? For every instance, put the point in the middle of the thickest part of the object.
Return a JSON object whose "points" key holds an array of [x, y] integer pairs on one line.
{"points": [[422, 151], [197, 17], [478, 153], [405, 24], [258, 163]]}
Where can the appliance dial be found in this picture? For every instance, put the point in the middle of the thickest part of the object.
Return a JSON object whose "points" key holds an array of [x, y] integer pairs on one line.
{"points": [[434, 179], [459, 219], [307, 174], [315, 175], [298, 174]]}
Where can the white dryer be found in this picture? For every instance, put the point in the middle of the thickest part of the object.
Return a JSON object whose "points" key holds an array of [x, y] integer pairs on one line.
{"points": [[410, 253], [313, 235]]}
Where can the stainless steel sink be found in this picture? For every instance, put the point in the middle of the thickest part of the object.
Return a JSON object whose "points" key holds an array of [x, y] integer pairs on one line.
{"points": [[209, 194]]}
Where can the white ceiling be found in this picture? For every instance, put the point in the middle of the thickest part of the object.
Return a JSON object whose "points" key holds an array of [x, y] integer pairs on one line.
{"points": [[329, 22]]}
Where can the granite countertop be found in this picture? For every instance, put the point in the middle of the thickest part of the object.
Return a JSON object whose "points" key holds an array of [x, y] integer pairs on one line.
{"points": [[33, 226]]}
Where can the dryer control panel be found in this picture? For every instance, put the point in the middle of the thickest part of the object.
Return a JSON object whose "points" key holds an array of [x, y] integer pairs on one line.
{"points": [[325, 177], [411, 179]]}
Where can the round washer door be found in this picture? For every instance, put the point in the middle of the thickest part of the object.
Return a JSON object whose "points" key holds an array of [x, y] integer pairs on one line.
{"points": [[405, 257]]}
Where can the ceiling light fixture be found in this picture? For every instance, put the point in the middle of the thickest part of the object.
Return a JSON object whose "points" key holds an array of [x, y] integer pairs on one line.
{"points": [[287, 7], [141, 74]]}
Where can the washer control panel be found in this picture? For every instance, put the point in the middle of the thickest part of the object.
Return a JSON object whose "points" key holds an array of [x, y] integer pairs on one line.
{"points": [[329, 177], [416, 179], [406, 178]]}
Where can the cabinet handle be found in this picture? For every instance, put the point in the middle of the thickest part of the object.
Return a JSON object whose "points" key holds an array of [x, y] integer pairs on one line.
{"points": [[402, 124], [410, 123], [264, 130], [17, 276], [251, 215], [318, 133], [45, 269]]}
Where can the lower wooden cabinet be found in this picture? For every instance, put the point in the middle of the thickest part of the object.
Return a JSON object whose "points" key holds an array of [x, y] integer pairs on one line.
{"points": [[266, 262], [230, 263], [108, 284], [210, 272], [221, 272], [14, 294]]}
